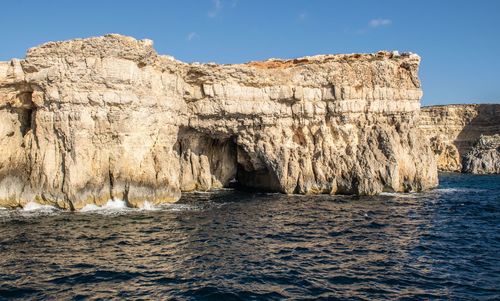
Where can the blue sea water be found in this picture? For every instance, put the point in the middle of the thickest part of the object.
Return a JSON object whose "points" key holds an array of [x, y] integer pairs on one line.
{"points": [[230, 245]]}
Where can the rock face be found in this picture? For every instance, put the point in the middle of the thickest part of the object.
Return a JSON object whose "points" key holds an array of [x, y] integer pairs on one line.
{"points": [[484, 158], [453, 130], [89, 120]]}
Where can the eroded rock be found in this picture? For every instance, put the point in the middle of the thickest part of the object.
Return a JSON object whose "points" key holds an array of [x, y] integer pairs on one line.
{"points": [[453, 130], [484, 158], [88, 120]]}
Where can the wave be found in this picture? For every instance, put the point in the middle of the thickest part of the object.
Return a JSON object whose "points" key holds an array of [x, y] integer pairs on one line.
{"points": [[147, 206], [408, 195], [111, 205], [416, 195], [120, 206], [209, 192], [455, 190], [34, 206]]}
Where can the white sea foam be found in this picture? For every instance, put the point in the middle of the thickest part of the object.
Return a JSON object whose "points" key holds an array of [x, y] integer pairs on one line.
{"points": [[90, 207], [4, 212], [33, 206], [147, 206], [273, 193], [455, 190], [409, 195], [204, 192], [224, 189], [115, 204], [111, 205], [119, 206]]}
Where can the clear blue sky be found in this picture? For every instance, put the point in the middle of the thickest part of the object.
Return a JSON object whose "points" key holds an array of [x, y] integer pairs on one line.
{"points": [[459, 41]]}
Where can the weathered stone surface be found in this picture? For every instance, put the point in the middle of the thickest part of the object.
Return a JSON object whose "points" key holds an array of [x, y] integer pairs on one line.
{"points": [[88, 120], [484, 158], [453, 130]]}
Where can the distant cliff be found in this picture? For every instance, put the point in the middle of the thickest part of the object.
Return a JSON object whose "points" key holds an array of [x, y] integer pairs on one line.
{"points": [[484, 158], [454, 130], [88, 120]]}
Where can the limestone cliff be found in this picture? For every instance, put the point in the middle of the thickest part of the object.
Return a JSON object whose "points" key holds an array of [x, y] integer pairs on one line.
{"points": [[484, 158], [453, 130], [88, 120]]}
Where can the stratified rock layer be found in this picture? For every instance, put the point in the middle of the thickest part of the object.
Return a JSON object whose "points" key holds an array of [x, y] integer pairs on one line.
{"points": [[453, 130], [84, 121]]}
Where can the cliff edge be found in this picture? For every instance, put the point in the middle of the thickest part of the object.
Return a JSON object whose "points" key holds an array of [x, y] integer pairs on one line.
{"points": [[88, 120]]}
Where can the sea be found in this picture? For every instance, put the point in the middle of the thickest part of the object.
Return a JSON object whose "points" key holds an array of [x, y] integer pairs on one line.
{"points": [[443, 244]]}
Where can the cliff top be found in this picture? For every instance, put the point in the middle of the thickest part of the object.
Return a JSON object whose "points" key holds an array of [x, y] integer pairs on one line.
{"points": [[126, 47]]}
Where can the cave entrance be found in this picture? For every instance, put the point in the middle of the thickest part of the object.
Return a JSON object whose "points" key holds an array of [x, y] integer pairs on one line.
{"points": [[206, 162], [25, 112], [254, 176], [209, 163]]}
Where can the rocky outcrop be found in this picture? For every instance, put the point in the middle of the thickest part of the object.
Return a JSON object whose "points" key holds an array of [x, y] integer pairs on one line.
{"points": [[88, 120], [484, 158], [453, 130]]}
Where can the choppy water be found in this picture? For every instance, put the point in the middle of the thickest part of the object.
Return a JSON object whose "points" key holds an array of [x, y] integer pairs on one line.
{"points": [[443, 244]]}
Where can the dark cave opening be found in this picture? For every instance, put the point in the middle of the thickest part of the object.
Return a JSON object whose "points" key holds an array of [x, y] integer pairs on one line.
{"points": [[250, 178], [209, 162], [25, 113], [25, 117], [261, 180]]}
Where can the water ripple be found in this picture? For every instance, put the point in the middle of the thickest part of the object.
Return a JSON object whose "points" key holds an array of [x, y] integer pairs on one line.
{"points": [[438, 245]]}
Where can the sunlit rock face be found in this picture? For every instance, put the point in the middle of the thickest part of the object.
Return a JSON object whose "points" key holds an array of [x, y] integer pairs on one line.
{"points": [[454, 130], [88, 120]]}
